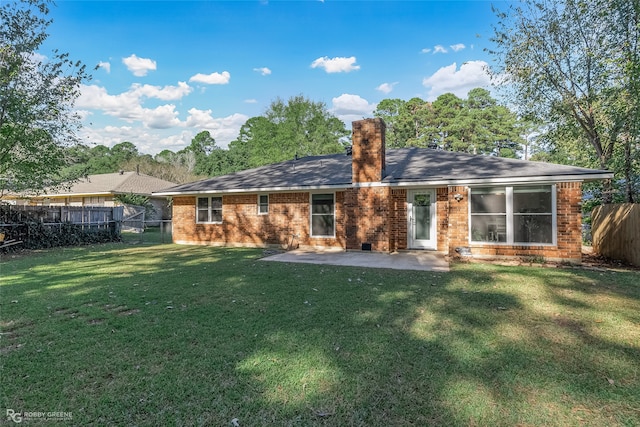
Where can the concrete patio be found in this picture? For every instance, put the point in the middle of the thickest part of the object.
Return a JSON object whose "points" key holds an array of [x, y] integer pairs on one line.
{"points": [[409, 260]]}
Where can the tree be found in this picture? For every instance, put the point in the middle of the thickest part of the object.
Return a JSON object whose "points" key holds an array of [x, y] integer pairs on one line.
{"points": [[123, 152], [397, 118], [299, 127], [568, 64], [475, 125], [202, 145], [37, 95], [492, 129]]}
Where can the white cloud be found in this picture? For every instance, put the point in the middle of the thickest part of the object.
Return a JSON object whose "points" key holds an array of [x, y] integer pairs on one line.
{"points": [[147, 141], [386, 87], [250, 101], [425, 50], [212, 79], [457, 47], [348, 107], [139, 66], [165, 93], [264, 71], [336, 65], [439, 49], [105, 65], [153, 139], [128, 105], [162, 117], [223, 129], [471, 74], [96, 98]]}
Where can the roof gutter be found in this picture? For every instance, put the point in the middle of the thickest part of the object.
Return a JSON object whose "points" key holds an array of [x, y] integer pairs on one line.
{"points": [[519, 180], [420, 183], [255, 190]]}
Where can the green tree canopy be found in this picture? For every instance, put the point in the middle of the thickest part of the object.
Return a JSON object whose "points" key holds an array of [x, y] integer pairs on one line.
{"points": [[573, 67], [37, 96], [299, 127], [477, 124]]}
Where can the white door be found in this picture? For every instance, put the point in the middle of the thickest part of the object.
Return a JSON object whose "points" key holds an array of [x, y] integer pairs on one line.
{"points": [[421, 212]]}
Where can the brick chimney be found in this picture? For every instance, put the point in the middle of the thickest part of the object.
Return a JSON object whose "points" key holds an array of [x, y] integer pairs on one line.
{"points": [[368, 153]]}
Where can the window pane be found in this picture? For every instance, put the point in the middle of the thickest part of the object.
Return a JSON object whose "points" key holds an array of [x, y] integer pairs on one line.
{"points": [[322, 203], [488, 200], [203, 202], [216, 203], [533, 228], [216, 215], [322, 225], [263, 206], [532, 199], [489, 228], [203, 215]]}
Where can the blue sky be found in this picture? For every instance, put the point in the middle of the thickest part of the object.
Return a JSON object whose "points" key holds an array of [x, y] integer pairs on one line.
{"points": [[170, 69]]}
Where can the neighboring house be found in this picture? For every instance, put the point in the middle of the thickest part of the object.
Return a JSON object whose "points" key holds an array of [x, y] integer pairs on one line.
{"points": [[100, 190], [389, 200]]}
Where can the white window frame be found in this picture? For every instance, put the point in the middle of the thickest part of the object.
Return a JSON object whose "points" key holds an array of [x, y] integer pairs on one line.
{"points": [[311, 214], [510, 216], [209, 209], [260, 204]]}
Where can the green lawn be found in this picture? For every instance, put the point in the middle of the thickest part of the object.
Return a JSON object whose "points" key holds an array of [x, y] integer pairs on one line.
{"points": [[155, 335]]}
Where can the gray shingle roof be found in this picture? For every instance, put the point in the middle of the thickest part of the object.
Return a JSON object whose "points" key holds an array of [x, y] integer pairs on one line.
{"points": [[405, 166], [116, 183]]}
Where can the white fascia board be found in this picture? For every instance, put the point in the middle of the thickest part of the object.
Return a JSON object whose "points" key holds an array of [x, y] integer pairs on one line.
{"points": [[513, 180], [103, 193], [426, 183], [256, 190]]}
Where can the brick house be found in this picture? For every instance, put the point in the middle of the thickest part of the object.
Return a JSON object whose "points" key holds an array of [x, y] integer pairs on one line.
{"points": [[101, 190], [389, 200]]}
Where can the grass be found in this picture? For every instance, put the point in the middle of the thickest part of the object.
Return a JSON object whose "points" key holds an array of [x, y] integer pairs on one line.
{"points": [[176, 335]]}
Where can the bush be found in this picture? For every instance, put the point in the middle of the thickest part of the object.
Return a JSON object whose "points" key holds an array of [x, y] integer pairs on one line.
{"points": [[38, 235]]}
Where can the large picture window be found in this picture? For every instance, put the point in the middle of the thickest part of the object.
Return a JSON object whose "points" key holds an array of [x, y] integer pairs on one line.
{"points": [[513, 215], [322, 215], [209, 209]]}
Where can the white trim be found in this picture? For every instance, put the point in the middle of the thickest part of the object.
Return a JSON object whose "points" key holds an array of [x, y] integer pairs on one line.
{"points": [[428, 183], [504, 181], [209, 209], [509, 220], [317, 188], [433, 210], [259, 204], [100, 193], [332, 236]]}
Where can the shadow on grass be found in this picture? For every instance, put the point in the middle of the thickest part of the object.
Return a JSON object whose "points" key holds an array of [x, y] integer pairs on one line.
{"points": [[195, 335]]}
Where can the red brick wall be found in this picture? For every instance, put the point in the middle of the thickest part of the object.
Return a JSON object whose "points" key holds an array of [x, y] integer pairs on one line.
{"points": [[241, 225], [458, 224], [569, 228], [368, 150], [398, 219], [367, 217], [442, 212], [376, 215]]}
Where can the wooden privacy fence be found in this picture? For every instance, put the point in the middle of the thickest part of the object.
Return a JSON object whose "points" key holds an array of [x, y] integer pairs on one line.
{"points": [[54, 214], [616, 231], [48, 226]]}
